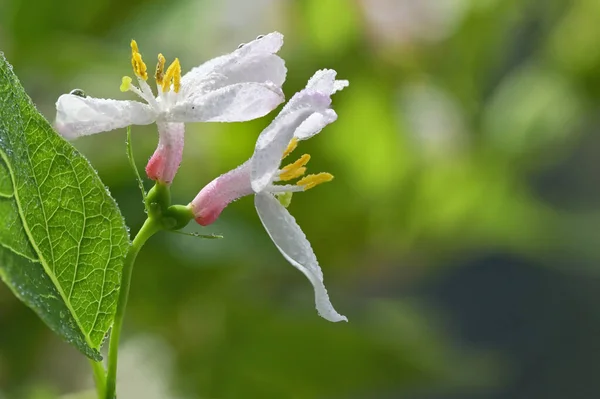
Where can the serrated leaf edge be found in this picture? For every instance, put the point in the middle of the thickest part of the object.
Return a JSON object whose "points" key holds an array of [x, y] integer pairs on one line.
{"points": [[42, 260]]}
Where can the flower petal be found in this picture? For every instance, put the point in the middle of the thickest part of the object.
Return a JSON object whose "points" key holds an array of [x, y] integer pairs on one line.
{"points": [[293, 245], [253, 62], [81, 116], [165, 161], [234, 103], [273, 140], [216, 195], [323, 81], [305, 115], [259, 68], [314, 124]]}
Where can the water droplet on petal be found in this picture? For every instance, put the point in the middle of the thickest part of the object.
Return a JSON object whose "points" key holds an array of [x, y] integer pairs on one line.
{"points": [[78, 93], [259, 37], [241, 45]]}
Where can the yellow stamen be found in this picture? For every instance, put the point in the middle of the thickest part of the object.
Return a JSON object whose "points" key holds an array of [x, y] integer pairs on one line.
{"points": [[177, 77], [125, 84], [311, 181], [291, 147], [134, 47], [173, 74], [160, 70], [295, 169], [292, 174], [139, 67]]}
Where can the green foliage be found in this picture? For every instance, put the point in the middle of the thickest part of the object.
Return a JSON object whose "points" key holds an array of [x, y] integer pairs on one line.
{"points": [[328, 37], [533, 110], [524, 79], [62, 238]]}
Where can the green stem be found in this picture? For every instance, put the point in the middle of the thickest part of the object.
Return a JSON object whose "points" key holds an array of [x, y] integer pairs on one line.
{"points": [[134, 166], [99, 378], [150, 227]]}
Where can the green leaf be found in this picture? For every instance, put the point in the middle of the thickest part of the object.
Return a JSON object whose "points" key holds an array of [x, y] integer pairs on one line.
{"points": [[62, 238]]}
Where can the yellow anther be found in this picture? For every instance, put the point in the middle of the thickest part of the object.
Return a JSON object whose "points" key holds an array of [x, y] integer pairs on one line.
{"points": [[295, 169], [134, 47], [172, 75], [303, 160], [177, 77], [291, 147], [292, 174], [160, 70], [139, 67], [125, 83], [311, 181]]}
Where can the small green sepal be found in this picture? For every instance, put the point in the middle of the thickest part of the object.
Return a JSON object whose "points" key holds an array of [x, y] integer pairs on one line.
{"points": [[177, 217], [158, 200]]}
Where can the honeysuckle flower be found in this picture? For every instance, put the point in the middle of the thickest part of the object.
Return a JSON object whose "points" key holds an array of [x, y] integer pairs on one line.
{"points": [[304, 115], [237, 87]]}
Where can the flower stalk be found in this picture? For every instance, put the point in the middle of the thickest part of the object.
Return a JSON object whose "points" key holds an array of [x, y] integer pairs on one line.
{"points": [[161, 216], [151, 226], [99, 378]]}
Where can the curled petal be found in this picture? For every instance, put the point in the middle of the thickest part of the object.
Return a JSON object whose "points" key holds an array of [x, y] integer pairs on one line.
{"points": [[323, 81], [81, 116], [271, 145], [234, 103], [293, 245], [339, 85], [314, 124], [305, 115], [165, 161], [272, 141], [253, 62], [320, 86]]}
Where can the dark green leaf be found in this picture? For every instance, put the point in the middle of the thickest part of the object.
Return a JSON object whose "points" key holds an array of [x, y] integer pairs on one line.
{"points": [[62, 237]]}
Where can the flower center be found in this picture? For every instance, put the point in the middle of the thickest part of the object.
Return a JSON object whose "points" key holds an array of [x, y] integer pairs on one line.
{"points": [[172, 76], [166, 80]]}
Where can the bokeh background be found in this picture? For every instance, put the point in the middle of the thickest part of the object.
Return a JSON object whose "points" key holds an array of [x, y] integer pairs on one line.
{"points": [[460, 236]]}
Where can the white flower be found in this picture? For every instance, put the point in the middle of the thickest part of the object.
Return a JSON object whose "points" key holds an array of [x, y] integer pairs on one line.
{"points": [[305, 115], [240, 86]]}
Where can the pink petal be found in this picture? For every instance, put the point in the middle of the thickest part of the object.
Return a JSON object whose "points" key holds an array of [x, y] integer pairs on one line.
{"points": [[165, 161]]}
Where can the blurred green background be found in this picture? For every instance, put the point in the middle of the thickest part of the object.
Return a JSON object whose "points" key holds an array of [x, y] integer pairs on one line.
{"points": [[460, 235]]}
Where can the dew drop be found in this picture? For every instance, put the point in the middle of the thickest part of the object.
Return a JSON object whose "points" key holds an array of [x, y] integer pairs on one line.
{"points": [[259, 37], [78, 93], [241, 45]]}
